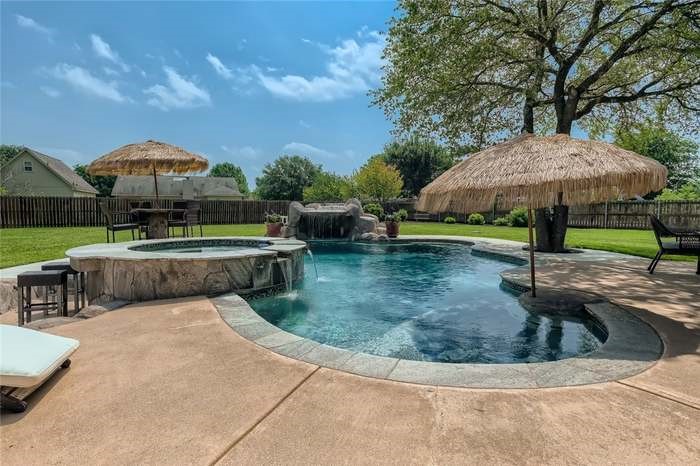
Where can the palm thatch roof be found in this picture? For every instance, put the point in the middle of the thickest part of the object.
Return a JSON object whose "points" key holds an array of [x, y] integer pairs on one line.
{"points": [[141, 159], [531, 171]]}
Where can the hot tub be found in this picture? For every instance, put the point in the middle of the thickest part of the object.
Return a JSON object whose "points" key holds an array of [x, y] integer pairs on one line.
{"points": [[146, 270]]}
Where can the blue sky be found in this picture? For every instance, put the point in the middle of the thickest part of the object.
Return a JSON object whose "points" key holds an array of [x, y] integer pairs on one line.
{"points": [[239, 82]]}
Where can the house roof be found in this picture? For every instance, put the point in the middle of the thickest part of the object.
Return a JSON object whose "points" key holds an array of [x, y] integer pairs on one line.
{"points": [[61, 170], [174, 186]]}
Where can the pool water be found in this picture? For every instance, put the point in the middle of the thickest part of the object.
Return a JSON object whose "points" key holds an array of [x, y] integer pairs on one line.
{"points": [[212, 249], [421, 301]]}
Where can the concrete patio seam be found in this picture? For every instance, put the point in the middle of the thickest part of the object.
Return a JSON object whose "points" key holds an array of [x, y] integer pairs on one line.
{"points": [[665, 397], [263, 417]]}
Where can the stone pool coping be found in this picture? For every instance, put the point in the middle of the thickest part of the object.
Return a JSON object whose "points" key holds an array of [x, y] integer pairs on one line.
{"points": [[125, 251], [632, 345]]}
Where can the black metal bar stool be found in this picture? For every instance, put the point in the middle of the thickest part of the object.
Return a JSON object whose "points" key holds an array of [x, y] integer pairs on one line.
{"points": [[55, 280], [78, 282]]}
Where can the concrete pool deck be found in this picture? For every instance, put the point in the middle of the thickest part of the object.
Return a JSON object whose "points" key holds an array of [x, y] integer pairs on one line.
{"points": [[168, 382]]}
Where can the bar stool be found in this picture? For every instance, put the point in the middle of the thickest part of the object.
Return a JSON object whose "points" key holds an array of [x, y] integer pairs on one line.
{"points": [[53, 279], [78, 282]]}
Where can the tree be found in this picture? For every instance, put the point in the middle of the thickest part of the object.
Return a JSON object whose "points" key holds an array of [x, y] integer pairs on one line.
{"points": [[229, 170], [678, 154], [690, 191], [418, 160], [328, 187], [286, 178], [8, 152], [378, 181], [103, 184], [472, 71]]}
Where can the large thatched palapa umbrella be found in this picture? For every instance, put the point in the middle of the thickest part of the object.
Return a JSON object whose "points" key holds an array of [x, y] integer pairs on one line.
{"points": [[531, 171], [150, 157]]}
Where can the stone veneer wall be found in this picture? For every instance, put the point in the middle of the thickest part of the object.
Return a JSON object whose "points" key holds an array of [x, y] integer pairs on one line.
{"points": [[148, 279]]}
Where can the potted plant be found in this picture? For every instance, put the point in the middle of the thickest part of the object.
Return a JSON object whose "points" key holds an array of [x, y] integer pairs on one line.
{"points": [[273, 223], [392, 222]]}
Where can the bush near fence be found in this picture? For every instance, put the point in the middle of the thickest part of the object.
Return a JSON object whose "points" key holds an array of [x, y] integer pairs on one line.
{"points": [[85, 212]]}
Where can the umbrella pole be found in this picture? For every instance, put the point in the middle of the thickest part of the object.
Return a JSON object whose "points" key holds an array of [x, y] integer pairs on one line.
{"points": [[155, 182], [532, 252]]}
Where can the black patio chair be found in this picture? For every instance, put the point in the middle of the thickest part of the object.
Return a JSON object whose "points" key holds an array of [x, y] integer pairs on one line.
{"points": [[194, 217], [684, 243], [140, 217], [112, 225], [178, 219]]}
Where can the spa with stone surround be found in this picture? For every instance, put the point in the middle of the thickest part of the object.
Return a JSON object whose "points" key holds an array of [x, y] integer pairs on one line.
{"points": [[147, 270]]}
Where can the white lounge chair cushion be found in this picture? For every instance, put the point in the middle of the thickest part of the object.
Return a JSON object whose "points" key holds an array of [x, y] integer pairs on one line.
{"points": [[28, 357]]}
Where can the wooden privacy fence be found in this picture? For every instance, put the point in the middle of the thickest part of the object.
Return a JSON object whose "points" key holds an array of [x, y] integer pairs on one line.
{"points": [[618, 214], [76, 211], [83, 212]]}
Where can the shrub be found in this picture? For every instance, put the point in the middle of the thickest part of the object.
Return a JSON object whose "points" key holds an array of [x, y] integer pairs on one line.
{"points": [[518, 217], [502, 221], [402, 215], [271, 217], [395, 217], [476, 219], [374, 209], [450, 220]]}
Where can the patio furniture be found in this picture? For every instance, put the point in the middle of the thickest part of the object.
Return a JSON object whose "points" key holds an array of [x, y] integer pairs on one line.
{"points": [[29, 358], [111, 225], [157, 221], [78, 279], [421, 216], [684, 243], [148, 158], [50, 280], [140, 218], [194, 217], [178, 218]]}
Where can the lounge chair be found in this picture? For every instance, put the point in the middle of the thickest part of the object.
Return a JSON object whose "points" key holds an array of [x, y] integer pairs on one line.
{"points": [[685, 243], [29, 358]]}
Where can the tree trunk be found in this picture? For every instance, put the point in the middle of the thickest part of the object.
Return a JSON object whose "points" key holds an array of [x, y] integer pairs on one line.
{"points": [[550, 226]]}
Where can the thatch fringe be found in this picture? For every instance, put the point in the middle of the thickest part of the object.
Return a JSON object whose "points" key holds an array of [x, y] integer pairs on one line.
{"points": [[531, 171], [140, 159]]}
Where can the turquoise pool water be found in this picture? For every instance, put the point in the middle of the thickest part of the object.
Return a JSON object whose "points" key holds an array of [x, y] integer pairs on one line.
{"points": [[421, 301]]}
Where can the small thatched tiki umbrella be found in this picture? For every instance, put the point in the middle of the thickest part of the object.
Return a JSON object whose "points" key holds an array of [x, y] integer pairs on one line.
{"points": [[150, 157], [531, 171]]}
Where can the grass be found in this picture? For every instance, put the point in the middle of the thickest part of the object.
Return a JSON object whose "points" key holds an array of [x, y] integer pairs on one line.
{"points": [[25, 245]]}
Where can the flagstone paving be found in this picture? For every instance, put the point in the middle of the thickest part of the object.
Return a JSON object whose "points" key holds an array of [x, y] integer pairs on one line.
{"points": [[169, 382]]}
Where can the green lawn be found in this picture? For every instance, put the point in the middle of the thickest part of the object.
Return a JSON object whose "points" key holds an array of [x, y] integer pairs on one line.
{"points": [[25, 245]]}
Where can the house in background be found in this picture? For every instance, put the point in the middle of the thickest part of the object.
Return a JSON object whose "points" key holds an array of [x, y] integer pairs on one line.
{"points": [[177, 188], [31, 173]]}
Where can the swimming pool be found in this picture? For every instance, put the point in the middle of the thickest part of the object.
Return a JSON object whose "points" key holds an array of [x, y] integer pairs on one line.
{"points": [[420, 301]]}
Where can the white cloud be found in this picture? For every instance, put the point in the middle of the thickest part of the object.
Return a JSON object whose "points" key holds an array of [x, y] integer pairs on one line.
{"points": [[82, 80], [50, 91], [29, 23], [110, 71], [300, 148], [304, 124], [179, 92], [353, 67], [104, 50], [219, 67], [246, 152]]}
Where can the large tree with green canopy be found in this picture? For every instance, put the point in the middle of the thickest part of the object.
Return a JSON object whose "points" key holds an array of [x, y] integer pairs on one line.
{"points": [[229, 170], [286, 178], [419, 160], [476, 71]]}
